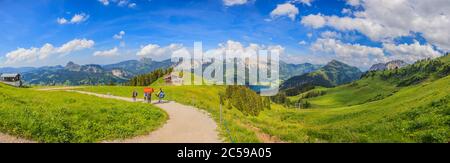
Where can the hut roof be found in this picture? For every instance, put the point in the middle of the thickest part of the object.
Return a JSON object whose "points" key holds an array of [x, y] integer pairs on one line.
{"points": [[9, 75]]}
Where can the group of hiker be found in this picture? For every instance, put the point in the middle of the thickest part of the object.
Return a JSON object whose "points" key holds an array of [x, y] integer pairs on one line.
{"points": [[148, 95]]}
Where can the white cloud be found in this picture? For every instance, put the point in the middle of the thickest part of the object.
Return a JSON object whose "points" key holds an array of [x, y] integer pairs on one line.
{"points": [[76, 19], [365, 56], [107, 53], [410, 53], [132, 5], [76, 44], [120, 3], [355, 54], [119, 36], [22, 54], [385, 20], [104, 2], [346, 11], [330, 34], [354, 2], [315, 21], [302, 42], [46, 51], [305, 2], [286, 9], [155, 51], [33, 54], [236, 49], [62, 21], [234, 2]]}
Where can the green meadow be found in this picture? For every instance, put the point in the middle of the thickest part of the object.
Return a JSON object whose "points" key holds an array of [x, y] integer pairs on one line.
{"points": [[363, 111], [411, 104], [58, 116]]}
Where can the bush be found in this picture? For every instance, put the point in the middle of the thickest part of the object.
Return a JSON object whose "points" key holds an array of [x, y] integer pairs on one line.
{"points": [[245, 100], [148, 79]]}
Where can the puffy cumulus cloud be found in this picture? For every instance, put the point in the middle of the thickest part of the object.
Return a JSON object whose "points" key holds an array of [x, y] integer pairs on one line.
{"points": [[330, 34], [286, 9], [22, 54], [74, 45], [385, 20], [157, 52], [33, 53], [237, 49], [119, 36], [107, 53], [365, 56], [372, 30], [314, 21], [357, 55], [76, 19], [431, 18], [234, 2], [410, 52], [354, 2], [234, 49]]}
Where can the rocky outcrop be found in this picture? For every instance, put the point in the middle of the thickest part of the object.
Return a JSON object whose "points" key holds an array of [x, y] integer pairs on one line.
{"points": [[395, 64]]}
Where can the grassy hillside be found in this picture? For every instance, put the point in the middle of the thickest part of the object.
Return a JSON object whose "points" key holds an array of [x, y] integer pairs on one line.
{"points": [[404, 116], [373, 109], [233, 128], [332, 74], [59, 116]]}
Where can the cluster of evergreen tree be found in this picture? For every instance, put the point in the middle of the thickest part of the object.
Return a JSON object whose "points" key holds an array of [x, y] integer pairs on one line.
{"points": [[245, 100], [312, 94], [282, 99], [298, 90], [147, 79], [415, 73]]}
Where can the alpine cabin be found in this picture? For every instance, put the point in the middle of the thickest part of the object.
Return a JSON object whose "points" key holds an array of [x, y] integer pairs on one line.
{"points": [[11, 79]]}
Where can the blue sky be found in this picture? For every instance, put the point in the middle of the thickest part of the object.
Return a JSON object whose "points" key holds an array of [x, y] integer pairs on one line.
{"points": [[32, 24]]}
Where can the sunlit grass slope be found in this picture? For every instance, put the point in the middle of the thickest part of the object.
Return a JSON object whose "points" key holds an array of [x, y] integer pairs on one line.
{"points": [[58, 116], [233, 128]]}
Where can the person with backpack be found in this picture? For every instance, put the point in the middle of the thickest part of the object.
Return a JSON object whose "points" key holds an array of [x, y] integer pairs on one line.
{"points": [[146, 97], [135, 94], [160, 95]]}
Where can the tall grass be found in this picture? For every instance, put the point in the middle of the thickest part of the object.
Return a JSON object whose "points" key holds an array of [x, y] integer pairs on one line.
{"points": [[71, 117], [368, 111]]}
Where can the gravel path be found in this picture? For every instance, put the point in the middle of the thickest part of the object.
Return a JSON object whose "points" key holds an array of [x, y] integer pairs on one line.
{"points": [[186, 124], [11, 139]]}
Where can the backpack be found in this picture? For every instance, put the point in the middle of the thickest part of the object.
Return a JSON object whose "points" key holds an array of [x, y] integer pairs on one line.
{"points": [[161, 94]]}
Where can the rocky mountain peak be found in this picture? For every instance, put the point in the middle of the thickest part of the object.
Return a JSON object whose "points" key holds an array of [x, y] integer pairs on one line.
{"points": [[388, 66], [71, 66]]}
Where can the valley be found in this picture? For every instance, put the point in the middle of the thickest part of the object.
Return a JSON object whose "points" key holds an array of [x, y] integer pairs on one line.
{"points": [[375, 106]]}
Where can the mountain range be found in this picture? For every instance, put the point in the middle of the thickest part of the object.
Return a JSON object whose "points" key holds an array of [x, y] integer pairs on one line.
{"points": [[288, 70], [388, 66], [90, 74], [332, 74]]}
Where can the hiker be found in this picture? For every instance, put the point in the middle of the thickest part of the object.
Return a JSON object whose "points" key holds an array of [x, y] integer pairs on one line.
{"points": [[148, 94], [160, 95], [145, 96], [135, 94]]}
